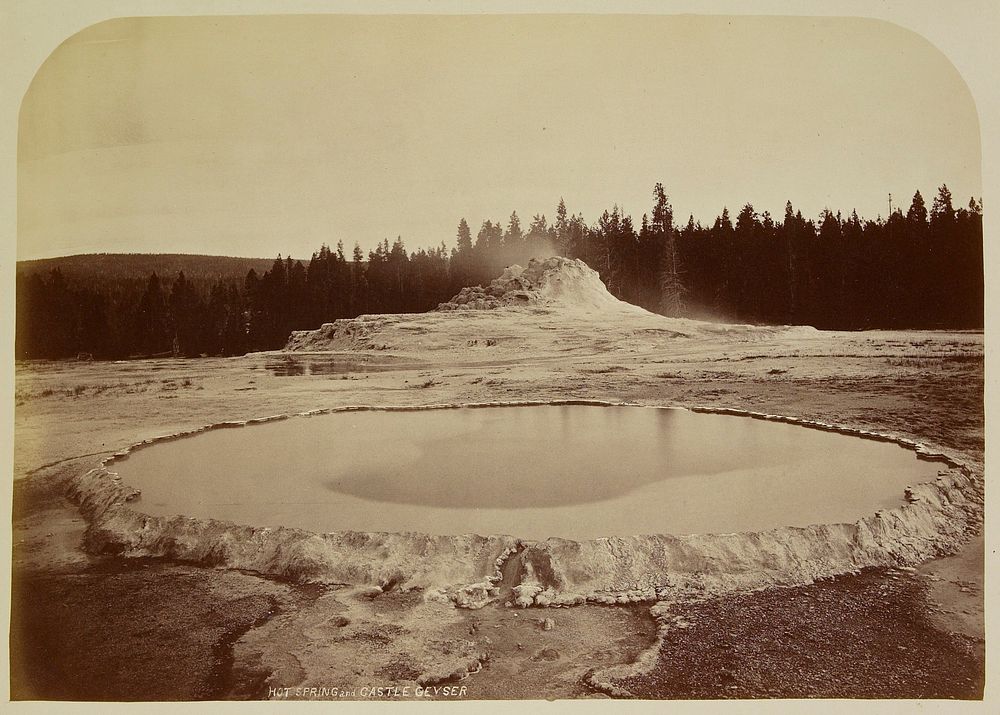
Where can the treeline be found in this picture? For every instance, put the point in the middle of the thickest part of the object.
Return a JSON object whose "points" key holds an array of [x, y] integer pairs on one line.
{"points": [[918, 269], [111, 270]]}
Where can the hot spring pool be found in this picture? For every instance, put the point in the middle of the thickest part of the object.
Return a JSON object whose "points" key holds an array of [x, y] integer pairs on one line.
{"points": [[572, 471]]}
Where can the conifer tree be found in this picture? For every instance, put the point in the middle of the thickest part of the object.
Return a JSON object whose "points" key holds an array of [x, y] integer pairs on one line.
{"points": [[672, 289]]}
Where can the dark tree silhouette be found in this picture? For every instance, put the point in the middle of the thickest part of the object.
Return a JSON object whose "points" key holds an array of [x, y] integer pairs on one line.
{"points": [[152, 322]]}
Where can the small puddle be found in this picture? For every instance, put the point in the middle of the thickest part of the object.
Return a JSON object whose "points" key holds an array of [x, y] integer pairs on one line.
{"points": [[572, 471], [293, 366]]}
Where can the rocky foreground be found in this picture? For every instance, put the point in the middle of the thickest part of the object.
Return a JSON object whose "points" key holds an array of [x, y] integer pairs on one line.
{"points": [[383, 607]]}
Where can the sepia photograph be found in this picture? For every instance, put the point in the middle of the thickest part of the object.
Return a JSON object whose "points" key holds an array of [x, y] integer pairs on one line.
{"points": [[462, 354]]}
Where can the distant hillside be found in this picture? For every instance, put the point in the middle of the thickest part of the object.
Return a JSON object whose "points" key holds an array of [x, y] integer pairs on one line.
{"points": [[94, 269]]}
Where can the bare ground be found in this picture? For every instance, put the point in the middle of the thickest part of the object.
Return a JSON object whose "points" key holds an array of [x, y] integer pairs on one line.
{"points": [[824, 640], [89, 627]]}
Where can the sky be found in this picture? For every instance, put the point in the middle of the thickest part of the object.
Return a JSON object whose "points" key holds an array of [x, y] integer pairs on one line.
{"points": [[256, 136]]}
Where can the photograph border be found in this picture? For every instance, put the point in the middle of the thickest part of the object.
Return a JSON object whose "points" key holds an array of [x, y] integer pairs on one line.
{"points": [[965, 33]]}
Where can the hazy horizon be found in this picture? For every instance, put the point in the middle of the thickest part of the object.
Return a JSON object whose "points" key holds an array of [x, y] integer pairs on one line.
{"points": [[254, 136], [160, 253]]}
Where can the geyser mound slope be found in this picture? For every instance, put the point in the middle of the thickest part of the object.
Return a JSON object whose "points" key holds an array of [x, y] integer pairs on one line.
{"points": [[565, 283], [556, 305]]}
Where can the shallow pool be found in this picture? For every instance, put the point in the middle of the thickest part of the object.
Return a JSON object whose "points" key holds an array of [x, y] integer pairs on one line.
{"points": [[572, 471]]}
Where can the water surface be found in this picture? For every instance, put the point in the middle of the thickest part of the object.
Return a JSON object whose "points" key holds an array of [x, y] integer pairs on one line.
{"points": [[572, 471]]}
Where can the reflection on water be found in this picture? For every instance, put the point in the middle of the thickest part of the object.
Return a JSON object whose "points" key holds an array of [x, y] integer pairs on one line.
{"points": [[291, 366], [555, 470]]}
